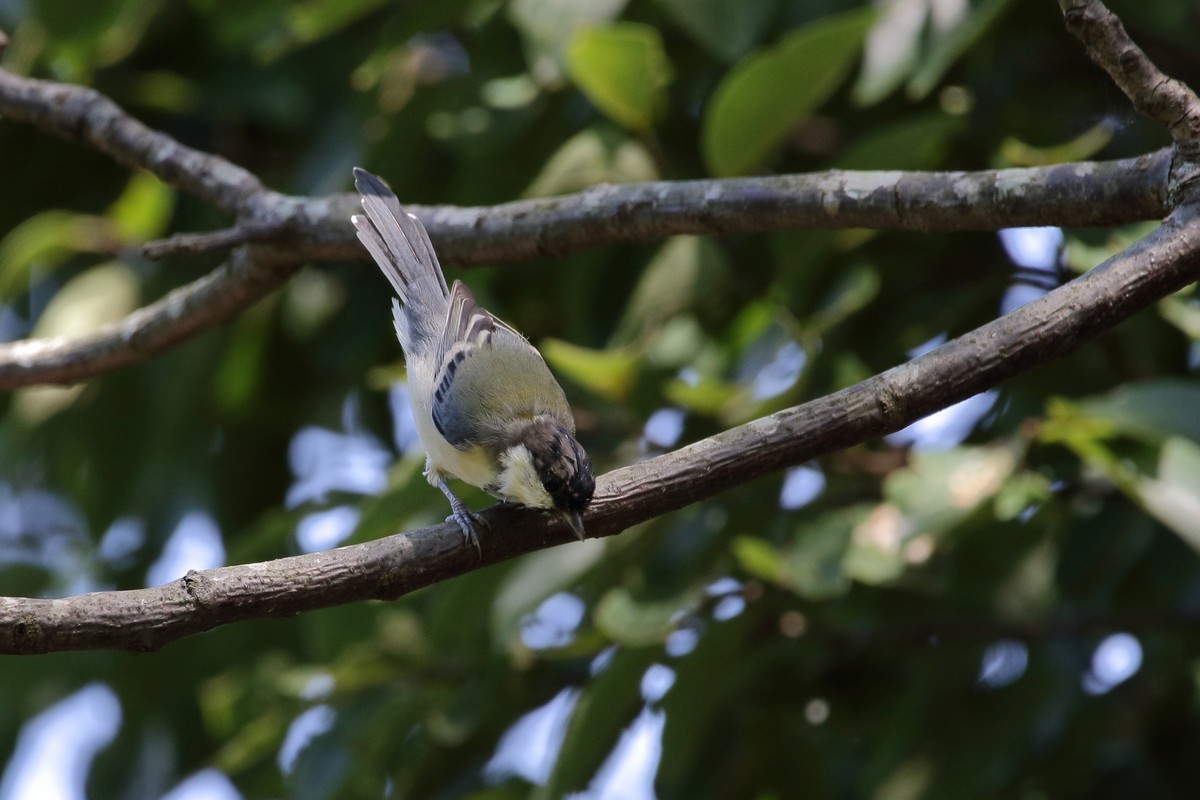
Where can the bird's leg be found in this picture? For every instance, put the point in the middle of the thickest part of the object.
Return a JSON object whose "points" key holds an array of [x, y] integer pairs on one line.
{"points": [[466, 519]]}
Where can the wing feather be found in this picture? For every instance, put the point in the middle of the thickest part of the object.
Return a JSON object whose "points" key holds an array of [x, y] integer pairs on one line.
{"points": [[472, 400]]}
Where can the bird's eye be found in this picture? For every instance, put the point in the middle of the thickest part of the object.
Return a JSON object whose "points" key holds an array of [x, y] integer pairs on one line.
{"points": [[552, 485]]}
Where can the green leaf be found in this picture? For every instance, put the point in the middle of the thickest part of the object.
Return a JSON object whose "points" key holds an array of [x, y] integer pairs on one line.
{"points": [[608, 373], [44, 242], [586, 159], [763, 98], [726, 28], [758, 558], [686, 273], [918, 142], [939, 489], [1153, 410], [704, 396], [1173, 497], [623, 70], [815, 566], [606, 705], [101, 294], [547, 26], [853, 290], [143, 209], [536, 577], [629, 622]]}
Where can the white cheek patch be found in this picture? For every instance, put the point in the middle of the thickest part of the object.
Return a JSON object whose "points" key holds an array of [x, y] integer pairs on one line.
{"points": [[519, 481]]}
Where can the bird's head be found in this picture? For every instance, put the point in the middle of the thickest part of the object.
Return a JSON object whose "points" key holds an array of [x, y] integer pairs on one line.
{"points": [[544, 467]]}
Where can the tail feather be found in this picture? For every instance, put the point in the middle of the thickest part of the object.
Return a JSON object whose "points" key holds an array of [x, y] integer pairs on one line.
{"points": [[400, 246]]}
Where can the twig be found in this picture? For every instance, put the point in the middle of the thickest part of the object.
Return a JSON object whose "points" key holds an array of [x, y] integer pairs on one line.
{"points": [[1161, 98], [1038, 332], [196, 243]]}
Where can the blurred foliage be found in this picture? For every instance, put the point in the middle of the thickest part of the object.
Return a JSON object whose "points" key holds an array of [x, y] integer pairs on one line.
{"points": [[889, 623]]}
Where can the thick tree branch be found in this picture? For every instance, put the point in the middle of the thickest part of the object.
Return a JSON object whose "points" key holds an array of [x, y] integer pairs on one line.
{"points": [[1078, 194], [1037, 333]]}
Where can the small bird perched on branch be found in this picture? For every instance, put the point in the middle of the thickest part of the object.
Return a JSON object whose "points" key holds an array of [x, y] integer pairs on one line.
{"points": [[486, 407]]}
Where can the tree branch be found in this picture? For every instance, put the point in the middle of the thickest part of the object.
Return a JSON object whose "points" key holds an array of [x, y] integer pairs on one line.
{"points": [[296, 229], [217, 297], [1046, 329], [85, 115], [1161, 98], [1079, 194]]}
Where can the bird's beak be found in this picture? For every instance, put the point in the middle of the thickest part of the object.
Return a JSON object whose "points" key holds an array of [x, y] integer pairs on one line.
{"points": [[574, 520]]}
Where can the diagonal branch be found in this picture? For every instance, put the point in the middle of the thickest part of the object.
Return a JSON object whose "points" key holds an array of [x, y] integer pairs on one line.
{"points": [[217, 297], [82, 114], [1037, 333], [1163, 99]]}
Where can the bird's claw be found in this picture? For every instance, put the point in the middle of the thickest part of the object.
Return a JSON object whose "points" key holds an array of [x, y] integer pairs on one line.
{"points": [[468, 520]]}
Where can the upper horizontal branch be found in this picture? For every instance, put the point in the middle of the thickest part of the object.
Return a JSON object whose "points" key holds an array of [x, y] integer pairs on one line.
{"points": [[1069, 195], [1080, 194], [1041, 331]]}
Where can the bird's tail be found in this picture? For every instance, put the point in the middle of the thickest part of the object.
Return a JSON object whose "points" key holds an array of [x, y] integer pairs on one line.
{"points": [[400, 246]]}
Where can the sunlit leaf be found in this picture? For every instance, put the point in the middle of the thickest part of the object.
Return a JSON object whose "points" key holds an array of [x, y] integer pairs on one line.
{"points": [[586, 159], [546, 26], [758, 558], [1173, 495], [89, 300], [608, 373], [763, 98], [143, 209], [940, 488], [1016, 153], [45, 241], [623, 70], [891, 49]]}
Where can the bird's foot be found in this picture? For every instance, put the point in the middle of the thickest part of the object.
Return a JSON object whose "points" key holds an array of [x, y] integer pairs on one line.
{"points": [[469, 521]]}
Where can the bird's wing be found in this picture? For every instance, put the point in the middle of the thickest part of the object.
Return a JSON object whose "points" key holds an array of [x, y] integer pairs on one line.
{"points": [[489, 376]]}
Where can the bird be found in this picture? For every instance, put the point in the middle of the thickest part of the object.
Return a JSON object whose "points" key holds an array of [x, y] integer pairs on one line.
{"points": [[487, 409]]}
